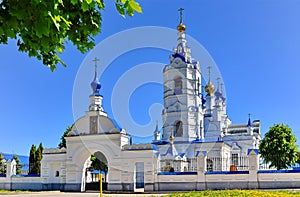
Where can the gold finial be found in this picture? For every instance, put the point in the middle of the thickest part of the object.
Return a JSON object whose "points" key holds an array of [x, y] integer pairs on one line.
{"points": [[181, 27], [209, 88], [171, 136]]}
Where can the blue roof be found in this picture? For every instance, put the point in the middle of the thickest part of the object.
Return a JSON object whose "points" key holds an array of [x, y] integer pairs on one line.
{"points": [[180, 56], [255, 150], [197, 141], [154, 147], [198, 152], [182, 154], [160, 142], [23, 159]]}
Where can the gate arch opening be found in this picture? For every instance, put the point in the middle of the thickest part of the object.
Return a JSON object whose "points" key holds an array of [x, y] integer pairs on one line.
{"points": [[95, 164]]}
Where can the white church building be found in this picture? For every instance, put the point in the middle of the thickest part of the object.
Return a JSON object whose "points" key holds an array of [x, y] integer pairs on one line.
{"points": [[197, 136]]}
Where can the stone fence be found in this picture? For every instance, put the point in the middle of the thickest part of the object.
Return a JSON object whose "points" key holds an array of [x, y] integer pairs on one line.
{"points": [[199, 179], [245, 178]]}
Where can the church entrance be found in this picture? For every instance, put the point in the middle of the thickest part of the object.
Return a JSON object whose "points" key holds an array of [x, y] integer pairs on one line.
{"points": [[95, 165], [139, 177]]}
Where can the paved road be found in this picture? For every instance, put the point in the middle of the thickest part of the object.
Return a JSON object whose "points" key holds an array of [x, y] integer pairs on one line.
{"points": [[70, 194]]}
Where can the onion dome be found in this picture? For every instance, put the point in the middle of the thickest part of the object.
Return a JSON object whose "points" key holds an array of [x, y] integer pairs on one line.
{"points": [[171, 138], [96, 86], [210, 88], [181, 27]]}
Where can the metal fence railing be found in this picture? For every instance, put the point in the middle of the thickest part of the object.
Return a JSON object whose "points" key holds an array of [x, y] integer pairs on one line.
{"points": [[213, 164]]}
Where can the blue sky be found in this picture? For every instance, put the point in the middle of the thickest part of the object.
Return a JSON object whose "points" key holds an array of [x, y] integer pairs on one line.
{"points": [[256, 45]]}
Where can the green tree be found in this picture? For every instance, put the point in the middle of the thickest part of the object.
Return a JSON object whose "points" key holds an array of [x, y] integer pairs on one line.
{"points": [[19, 166], [42, 28], [278, 147], [99, 165], [298, 157], [2, 164], [35, 158], [32, 160], [38, 157], [62, 143]]}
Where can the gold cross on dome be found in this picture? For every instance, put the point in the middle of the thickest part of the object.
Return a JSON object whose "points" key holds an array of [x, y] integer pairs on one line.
{"points": [[180, 11]]}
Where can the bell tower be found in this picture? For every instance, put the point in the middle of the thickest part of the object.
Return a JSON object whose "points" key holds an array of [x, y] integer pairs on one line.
{"points": [[182, 113]]}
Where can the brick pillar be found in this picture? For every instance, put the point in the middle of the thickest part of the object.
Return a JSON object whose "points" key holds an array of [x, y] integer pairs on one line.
{"points": [[253, 168], [10, 171], [201, 169]]}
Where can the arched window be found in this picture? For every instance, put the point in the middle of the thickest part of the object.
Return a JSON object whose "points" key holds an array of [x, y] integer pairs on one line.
{"points": [[178, 129], [57, 174], [178, 85]]}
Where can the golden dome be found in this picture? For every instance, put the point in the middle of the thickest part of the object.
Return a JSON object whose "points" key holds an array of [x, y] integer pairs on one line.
{"points": [[210, 88], [181, 27], [171, 138]]}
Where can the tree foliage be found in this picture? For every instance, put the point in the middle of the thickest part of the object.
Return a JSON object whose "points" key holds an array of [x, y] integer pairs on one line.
{"points": [[62, 143], [98, 164], [39, 156], [278, 147], [32, 160], [2, 164], [42, 28], [35, 158]]}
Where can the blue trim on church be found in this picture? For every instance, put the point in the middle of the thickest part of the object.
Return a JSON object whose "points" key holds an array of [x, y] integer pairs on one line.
{"points": [[177, 173], [228, 172], [277, 171]]}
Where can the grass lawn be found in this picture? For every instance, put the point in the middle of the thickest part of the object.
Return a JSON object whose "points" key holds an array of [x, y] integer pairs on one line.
{"points": [[9, 192], [226, 193]]}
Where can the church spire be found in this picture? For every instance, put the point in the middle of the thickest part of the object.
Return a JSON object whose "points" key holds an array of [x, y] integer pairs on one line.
{"points": [[182, 50], [156, 133], [95, 97], [249, 120], [96, 86], [181, 27]]}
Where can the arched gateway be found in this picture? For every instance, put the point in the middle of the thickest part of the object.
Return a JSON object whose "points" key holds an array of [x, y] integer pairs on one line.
{"points": [[70, 169]]}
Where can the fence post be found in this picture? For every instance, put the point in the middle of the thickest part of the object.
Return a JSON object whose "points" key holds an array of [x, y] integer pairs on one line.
{"points": [[253, 168], [156, 169], [10, 171], [201, 169]]}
